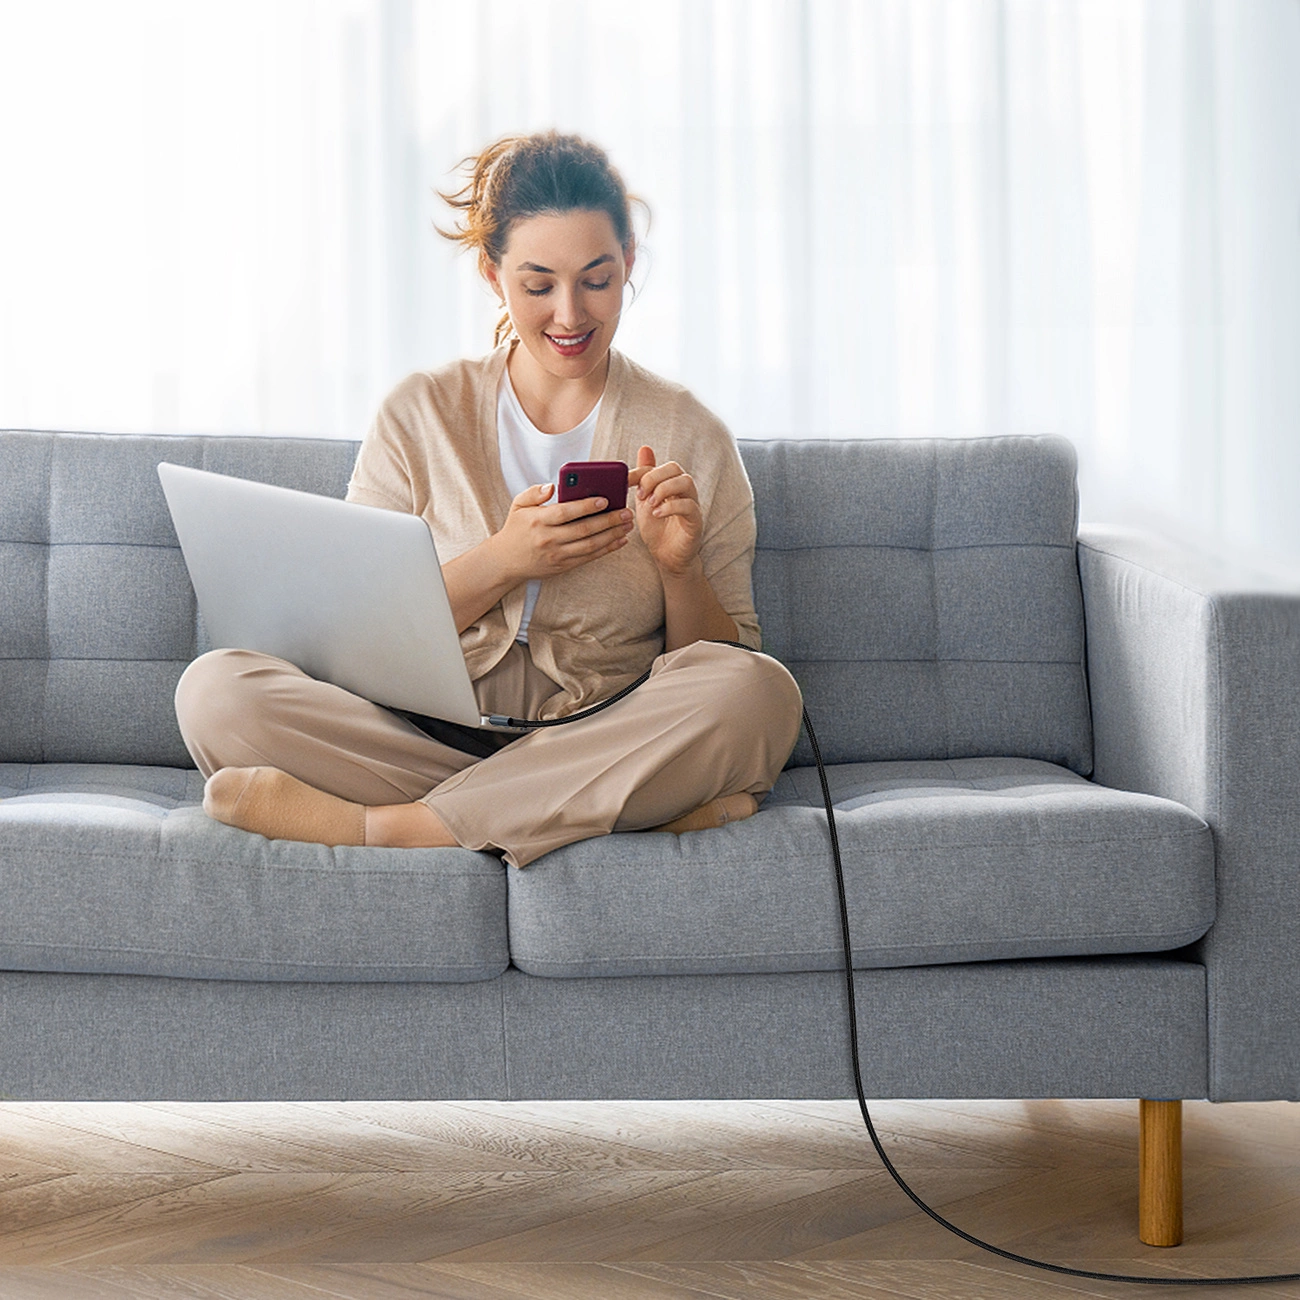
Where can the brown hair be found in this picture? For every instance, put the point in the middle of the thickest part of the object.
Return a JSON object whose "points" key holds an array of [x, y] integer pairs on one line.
{"points": [[525, 175]]}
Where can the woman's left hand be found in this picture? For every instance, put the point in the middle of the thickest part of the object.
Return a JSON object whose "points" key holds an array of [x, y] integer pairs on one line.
{"points": [[668, 513]]}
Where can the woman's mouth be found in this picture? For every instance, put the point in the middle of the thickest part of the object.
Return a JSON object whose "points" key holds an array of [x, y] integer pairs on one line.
{"points": [[571, 345]]}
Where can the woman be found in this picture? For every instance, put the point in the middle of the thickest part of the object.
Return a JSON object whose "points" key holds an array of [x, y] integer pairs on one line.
{"points": [[559, 605]]}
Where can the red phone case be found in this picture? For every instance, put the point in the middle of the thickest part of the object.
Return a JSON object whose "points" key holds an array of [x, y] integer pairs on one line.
{"points": [[594, 478]]}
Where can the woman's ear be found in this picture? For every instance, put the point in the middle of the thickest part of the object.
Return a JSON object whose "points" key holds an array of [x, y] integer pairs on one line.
{"points": [[629, 259], [493, 277]]}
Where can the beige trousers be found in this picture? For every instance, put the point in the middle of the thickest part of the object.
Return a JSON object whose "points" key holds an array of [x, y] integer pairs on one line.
{"points": [[712, 720]]}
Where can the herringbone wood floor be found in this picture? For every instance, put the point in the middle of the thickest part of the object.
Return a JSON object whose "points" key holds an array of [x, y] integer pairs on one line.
{"points": [[493, 1201]]}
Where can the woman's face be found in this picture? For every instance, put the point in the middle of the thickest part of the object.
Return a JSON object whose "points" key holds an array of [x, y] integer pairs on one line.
{"points": [[562, 277]]}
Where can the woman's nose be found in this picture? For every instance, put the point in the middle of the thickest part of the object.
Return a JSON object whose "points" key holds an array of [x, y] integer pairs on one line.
{"points": [[566, 308]]}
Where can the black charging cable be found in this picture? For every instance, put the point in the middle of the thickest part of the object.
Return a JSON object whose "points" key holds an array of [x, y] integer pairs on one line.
{"points": [[527, 725], [536, 724]]}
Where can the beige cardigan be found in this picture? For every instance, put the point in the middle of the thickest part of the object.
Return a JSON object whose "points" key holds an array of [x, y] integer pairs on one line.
{"points": [[432, 450]]}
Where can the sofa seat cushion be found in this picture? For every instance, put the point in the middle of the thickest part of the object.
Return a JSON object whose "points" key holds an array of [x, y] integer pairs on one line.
{"points": [[945, 861], [113, 869]]}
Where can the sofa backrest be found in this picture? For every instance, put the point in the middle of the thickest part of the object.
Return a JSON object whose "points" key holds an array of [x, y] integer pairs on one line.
{"points": [[925, 594], [97, 615]]}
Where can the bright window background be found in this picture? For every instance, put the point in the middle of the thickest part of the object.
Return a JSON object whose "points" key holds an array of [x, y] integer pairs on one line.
{"points": [[876, 217]]}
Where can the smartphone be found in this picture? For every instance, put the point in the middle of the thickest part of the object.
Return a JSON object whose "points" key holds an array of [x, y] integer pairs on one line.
{"points": [[594, 478]]}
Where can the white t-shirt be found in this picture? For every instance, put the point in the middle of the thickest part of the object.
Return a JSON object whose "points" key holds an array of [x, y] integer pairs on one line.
{"points": [[529, 456]]}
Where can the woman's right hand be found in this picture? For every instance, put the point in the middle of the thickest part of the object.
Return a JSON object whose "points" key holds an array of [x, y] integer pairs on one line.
{"points": [[540, 539], [537, 540]]}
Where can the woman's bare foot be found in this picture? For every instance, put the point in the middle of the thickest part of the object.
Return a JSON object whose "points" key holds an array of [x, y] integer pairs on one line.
{"points": [[717, 812]]}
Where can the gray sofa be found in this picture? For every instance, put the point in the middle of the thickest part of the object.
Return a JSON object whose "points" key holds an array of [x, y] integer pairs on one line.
{"points": [[1067, 772]]}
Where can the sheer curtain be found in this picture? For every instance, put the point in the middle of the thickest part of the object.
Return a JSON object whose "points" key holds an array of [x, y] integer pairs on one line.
{"points": [[869, 217]]}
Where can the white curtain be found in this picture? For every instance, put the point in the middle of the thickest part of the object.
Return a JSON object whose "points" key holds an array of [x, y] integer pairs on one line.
{"points": [[869, 217]]}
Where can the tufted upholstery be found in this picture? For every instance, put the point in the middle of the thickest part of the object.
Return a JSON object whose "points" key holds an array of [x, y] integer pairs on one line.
{"points": [[972, 859], [99, 620], [926, 596], [936, 616], [116, 869]]}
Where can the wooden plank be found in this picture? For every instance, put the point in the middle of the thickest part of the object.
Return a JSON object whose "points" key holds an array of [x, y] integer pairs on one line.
{"points": [[770, 1280], [54, 1207], [683, 1221], [1015, 1215], [206, 1221], [917, 1140], [544, 1280], [1240, 1133], [473, 1137], [42, 1132], [304, 1136], [197, 1136], [197, 1282], [461, 1214], [925, 1279], [817, 1224], [57, 1284], [729, 1135]]}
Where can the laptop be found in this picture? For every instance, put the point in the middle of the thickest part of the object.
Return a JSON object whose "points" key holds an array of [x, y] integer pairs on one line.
{"points": [[351, 594]]}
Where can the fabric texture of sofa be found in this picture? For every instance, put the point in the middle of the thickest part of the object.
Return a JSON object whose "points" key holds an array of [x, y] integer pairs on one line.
{"points": [[1066, 769]]}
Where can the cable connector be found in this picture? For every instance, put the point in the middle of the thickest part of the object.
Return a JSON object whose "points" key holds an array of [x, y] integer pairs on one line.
{"points": [[500, 722]]}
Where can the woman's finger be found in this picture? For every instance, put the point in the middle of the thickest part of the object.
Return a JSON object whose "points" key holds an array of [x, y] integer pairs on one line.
{"points": [[592, 546], [677, 506], [535, 495], [683, 485], [565, 536], [659, 474], [608, 547], [565, 512], [592, 524]]}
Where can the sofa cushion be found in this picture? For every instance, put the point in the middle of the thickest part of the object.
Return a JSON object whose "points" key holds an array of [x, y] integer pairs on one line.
{"points": [[118, 870], [925, 595], [958, 861]]}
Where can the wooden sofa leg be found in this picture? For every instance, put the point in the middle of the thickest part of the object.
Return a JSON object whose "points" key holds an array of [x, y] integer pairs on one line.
{"points": [[1160, 1172]]}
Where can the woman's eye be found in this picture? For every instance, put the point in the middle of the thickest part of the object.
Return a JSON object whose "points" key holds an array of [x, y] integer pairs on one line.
{"points": [[604, 284], [537, 293]]}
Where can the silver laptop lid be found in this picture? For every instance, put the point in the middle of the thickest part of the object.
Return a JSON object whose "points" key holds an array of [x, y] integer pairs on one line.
{"points": [[351, 594]]}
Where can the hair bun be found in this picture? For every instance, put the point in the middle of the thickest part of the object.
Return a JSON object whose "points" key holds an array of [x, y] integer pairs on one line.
{"points": [[521, 176]]}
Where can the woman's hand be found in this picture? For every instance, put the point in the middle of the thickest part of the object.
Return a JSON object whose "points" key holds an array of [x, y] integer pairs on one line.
{"points": [[668, 514], [539, 540], [671, 524]]}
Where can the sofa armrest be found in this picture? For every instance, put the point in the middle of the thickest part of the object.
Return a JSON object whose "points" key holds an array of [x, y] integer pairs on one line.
{"points": [[1194, 674]]}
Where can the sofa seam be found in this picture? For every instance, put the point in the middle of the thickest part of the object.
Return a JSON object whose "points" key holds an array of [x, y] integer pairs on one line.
{"points": [[1215, 1084], [784, 860], [141, 546], [136, 950], [896, 546], [1177, 939], [89, 659], [507, 1086], [43, 745], [934, 659], [1024, 663], [335, 872], [940, 685]]}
